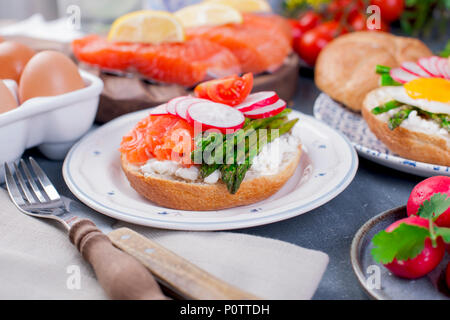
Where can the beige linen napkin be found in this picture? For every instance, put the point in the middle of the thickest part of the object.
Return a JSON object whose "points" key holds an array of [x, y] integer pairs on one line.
{"points": [[37, 260]]}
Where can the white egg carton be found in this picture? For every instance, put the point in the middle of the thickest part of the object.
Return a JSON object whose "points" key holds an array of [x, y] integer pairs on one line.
{"points": [[53, 124]]}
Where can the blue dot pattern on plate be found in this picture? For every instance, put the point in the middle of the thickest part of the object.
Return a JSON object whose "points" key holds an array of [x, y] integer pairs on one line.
{"points": [[352, 125]]}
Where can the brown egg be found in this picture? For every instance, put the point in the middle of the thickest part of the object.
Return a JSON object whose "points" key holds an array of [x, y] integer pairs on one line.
{"points": [[13, 58], [7, 100], [49, 73]]}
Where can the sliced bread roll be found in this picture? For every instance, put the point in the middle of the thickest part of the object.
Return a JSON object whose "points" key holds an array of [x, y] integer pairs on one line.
{"points": [[200, 196], [424, 142], [345, 69]]}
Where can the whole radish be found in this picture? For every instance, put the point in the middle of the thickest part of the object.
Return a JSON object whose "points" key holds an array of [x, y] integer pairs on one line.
{"points": [[423, 191], [422, 264]]}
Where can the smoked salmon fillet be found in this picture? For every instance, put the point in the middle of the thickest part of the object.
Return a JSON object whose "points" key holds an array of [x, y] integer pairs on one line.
{"points": [[186, 63], [164, 137], [260, 43]]}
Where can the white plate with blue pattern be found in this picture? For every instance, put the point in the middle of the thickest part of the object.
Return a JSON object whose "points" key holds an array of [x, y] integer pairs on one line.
{"points": [[354, 126], [93, 173]]}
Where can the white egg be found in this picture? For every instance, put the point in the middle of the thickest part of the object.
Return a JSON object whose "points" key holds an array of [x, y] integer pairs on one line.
{"points": [[399, 94]]}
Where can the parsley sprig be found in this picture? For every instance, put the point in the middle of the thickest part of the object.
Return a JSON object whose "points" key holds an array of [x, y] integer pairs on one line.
{"points": [[407, 241]]}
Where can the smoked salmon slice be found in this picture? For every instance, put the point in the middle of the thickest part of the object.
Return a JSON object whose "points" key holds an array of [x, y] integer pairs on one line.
{"points": [[186, 63], [164, 137], [261, 43]]}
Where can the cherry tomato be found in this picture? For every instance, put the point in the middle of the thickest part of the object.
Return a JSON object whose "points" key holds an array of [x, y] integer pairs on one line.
{"points": [[425, 262], [314, 40], [447, 276], [311, 43], [331, 28], [230, 90], [337, 8], [297, 32], [423, 191], [391, 10], [359, 23], [309, 20]]}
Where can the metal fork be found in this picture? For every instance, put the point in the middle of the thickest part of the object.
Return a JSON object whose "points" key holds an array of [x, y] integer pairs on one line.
{"points": [[33, 193], [121, 275]]}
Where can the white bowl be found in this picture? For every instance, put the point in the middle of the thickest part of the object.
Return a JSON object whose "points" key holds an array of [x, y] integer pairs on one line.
{"points": [[53, 124]]}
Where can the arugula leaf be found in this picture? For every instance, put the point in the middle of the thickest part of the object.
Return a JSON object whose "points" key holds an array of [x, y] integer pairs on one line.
{"points": [[434, 207], [444, 233], [405, 242]]}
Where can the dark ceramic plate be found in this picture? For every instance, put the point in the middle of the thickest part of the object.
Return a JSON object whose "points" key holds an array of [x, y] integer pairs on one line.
{"points": [[390, 287]]}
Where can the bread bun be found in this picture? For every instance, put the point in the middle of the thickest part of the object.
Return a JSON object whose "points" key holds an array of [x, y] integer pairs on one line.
{"points": [[406, 142], [345, 69], [183, 195]]}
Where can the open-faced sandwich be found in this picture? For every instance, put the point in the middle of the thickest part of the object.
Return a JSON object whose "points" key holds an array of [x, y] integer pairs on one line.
{"points": [[344, 69], [219, 149], [410, 113]]}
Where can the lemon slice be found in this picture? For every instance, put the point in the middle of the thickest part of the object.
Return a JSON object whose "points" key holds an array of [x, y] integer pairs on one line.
{"points": [[147, 26], [245, 5], [208, 14]]}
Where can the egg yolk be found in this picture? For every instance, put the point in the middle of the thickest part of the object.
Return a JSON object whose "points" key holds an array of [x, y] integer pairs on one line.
{"points": [[433, 89]]}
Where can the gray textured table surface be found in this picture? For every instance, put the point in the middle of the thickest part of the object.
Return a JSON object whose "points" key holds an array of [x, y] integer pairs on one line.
{"points": [[329, 228]]}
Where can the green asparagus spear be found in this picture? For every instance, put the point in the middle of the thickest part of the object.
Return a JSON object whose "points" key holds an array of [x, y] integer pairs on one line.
{"points": [[386, 107], [386, 80], [382, 69], [241, 134], [242, 169], [397, 119]]}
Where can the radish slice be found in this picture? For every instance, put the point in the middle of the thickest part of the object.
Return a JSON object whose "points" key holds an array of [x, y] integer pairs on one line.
{"points": [[414, 69], [444, 67], [258, 100], [173, 102], [429, 66], [268, 111], [434, 60], [401, 75], [182, 106], [159, 110], [213, 115]]}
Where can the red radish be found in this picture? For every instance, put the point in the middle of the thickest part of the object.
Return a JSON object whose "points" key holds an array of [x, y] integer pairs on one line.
{"points": [[429, 66], [423, 191], [173, 102], [434, 60], [414, 69], [212, 115], [258, 100], [182, 106], [422, 264], [401, 75], [444, 68], [268, 111]]}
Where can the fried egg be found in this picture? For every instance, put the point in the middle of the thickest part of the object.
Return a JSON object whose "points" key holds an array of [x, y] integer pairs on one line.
{"points": [[428, 94]]}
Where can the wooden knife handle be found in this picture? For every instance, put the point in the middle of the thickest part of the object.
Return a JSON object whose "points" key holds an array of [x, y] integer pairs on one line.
{"points": [[121, 275], [177, 274]]}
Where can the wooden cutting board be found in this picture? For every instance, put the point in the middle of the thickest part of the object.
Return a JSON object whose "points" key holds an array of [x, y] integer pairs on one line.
{"points": [[125, 94]]}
